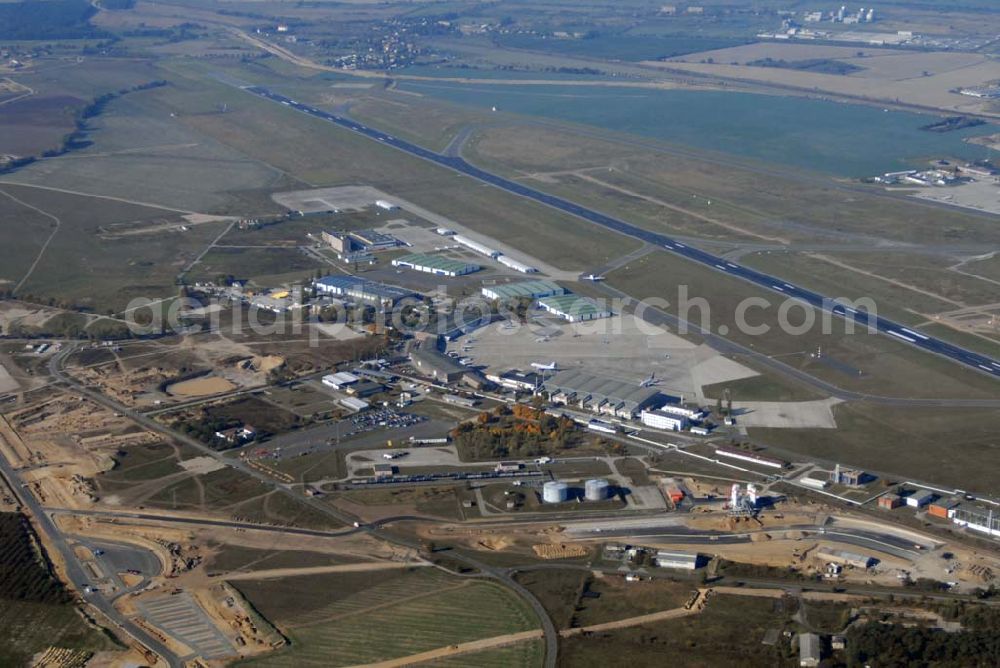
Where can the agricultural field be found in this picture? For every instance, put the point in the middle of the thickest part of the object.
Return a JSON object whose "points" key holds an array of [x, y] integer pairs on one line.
{"points": [[331, 619], [525, 654], [35, 610]]}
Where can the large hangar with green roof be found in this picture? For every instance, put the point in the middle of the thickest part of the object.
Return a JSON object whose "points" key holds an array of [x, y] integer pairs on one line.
{"points": [[574, 307], [523, 290], [435, 264]]}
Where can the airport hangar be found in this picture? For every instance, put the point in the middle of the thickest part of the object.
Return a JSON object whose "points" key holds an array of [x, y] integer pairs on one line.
{"points": [[523, 290], [362, 290], [574, 308], [586, 391], [433, 264]]}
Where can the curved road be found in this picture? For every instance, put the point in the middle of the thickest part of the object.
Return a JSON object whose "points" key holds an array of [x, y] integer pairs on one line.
{"points": [[375, 530]]}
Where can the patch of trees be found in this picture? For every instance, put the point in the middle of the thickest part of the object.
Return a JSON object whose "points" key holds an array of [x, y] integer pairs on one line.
{"points": [[821, 65], [25, 573], [77, 139], [117, 5], [881, 644], [48, 19], [522, 433]]}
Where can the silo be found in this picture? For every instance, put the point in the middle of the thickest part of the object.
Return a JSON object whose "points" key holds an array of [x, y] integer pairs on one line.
{"points": [[555, 492], [597, 489]]}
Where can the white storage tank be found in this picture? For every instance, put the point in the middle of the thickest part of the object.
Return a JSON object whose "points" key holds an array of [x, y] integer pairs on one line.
{"points": [[555, 492], [597, 489]]}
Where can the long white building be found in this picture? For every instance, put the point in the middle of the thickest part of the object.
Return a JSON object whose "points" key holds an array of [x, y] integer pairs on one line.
{"points": [[511, 263], [471, 244]]}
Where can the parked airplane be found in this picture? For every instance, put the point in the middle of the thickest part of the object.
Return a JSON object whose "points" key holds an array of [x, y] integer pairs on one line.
{"points": [[592, 277], [551, 366], [650, 382]]}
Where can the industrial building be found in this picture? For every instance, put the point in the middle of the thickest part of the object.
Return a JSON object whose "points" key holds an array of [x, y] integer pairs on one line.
{"points": [[850, 477], [365, 388], [346, 243], [435, 264], [459, 400], [354, 404], [473, 245], [375, 241], [430, 362], [339, 380], [516, 265], [672, 559], [659, 419], [523, 290], [516, 380], [813, 483], [920, 498], [574, 308], [359, 289], [600, 395], [846, 558], [890, 501], [340, 242], [978, 519], [752, 457], [384, 470], [810, 650], [943, 508]]}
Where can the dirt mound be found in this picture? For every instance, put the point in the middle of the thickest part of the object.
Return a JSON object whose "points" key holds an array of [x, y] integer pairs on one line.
{"points": [[265, 363]]}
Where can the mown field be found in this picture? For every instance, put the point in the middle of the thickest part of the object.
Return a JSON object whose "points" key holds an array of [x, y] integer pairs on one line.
{"points": [[341, 620], [886, 367]]}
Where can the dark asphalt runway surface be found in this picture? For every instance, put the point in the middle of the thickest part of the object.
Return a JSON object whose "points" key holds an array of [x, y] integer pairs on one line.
{"points": [[891, 329]]}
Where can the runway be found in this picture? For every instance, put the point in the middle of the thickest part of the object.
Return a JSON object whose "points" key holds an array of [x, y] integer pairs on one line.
{"points": [[968, 358]]}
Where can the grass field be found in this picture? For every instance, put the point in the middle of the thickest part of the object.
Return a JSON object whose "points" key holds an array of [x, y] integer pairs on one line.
{"points": [[576, 598], [230, 558], [727, 633], [887, 367], [84, 267], [347, 620], [952, 447]]}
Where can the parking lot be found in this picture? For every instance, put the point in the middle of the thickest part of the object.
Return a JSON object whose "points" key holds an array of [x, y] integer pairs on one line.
{"points": [[183, 619]]}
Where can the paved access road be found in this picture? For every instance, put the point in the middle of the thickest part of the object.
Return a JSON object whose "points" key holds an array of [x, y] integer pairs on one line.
{"points": [[965, 357], [75, 571]]}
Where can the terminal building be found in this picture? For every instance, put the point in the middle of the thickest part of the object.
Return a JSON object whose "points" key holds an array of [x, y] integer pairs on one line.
{"points": [[595, 394], [522, 290], [435, 264], [359, 289], [574, 308]]}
